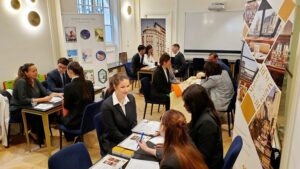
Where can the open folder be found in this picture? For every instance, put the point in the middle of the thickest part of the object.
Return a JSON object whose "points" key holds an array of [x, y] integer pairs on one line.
{"points": [[147, 127]]}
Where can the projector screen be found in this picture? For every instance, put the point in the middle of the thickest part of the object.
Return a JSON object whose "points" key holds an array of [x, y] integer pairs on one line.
{"points": [[213, 31]]}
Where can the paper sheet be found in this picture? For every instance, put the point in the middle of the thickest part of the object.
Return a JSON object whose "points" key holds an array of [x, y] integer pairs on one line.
{"points": [[55, 99], [157, 140], [131, 142], [43, 106], [148, 127], [134, 164], [109, 162]]}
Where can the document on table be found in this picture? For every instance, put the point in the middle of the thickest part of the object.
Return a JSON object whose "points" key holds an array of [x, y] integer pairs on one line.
{"points": [[55, 99], [131, 142], [110, 162], [134, 164], [148, 127], [157, 140], [43, 106]]}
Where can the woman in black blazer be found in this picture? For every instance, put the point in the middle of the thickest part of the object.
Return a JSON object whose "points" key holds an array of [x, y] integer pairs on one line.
{"points": [[161, 85], [77, 95], [205, 126], [119, 113]]}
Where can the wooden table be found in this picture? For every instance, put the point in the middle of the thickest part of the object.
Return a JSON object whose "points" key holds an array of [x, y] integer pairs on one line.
{"points": [[146, 70], [45, 119]]}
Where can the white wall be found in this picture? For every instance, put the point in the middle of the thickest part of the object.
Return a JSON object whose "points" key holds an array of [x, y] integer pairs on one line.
{"points": [[20, 43]]}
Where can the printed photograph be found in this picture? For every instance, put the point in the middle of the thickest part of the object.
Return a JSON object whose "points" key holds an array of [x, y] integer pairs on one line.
{"points": [[85, 34], [154, 34], [262, 127], [250, 11], [87, 56], [72, 53], [99, 34], [102, 76], [100, 55], [70, 34], [89, 75]]}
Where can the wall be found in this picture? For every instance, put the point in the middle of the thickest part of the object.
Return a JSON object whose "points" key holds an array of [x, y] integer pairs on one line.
{"points": [[21, 43]]}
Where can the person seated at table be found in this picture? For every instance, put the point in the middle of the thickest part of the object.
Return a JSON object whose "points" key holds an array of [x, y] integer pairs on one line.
{"points": [[161, 85], [148, 57], [214, 57], [137, 60], [28, 91], [219, 85], [205, 126], [77, 95], [58, 78], [119, 113], [178, 151], [179, 64]]}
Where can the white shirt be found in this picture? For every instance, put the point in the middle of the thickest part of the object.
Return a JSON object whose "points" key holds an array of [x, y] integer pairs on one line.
{"points": [[166, 74], [116, 101], [149, 61]]}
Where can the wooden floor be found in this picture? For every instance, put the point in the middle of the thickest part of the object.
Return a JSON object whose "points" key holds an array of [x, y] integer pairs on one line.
{"points": [[17, 157]]}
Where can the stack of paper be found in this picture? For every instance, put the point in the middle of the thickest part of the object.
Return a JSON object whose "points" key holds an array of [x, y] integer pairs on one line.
{"points": [[110, 162], [56, 99], [120, 151], [147, 127], [131, 142], [134, 164], [43, 106]]}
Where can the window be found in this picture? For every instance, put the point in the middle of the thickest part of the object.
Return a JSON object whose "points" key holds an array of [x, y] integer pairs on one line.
{"points": [[98, 7]]}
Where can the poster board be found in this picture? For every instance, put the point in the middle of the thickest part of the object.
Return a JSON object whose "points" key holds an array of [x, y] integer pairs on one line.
{"points": [[84, 39], [266, 33]]}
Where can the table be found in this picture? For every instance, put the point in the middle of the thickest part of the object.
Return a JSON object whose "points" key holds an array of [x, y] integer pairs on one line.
{"points": [[146, 70], [114, 65], [45, 119]]}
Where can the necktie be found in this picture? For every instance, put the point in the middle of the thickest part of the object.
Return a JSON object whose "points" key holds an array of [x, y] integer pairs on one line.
{"points": [[64, 79]]}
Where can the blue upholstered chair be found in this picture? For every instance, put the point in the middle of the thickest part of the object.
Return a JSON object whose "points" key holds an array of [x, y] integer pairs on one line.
{"points": [[233, 152], [99, 129], [75, 156]]}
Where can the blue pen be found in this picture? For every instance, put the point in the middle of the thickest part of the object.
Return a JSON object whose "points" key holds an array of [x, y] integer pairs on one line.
{"points": [[141, 139]]}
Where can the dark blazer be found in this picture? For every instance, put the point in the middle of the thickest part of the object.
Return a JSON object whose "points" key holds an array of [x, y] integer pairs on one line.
{"points": [[136, 63], [160, 85], [116, 126], [75, 103], [179, 63], [54, 82], [207, 136], [170, 162], [23, 94]]}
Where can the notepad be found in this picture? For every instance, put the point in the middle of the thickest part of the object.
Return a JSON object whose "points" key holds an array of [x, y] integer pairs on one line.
{"points": [[147, 127], [43, 106], [110, 162], [55, 99], [131, 142], [120, 151], [134, 164]]}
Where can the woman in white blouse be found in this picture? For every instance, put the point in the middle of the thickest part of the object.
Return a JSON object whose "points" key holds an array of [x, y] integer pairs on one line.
{"points": [[148, 57]]}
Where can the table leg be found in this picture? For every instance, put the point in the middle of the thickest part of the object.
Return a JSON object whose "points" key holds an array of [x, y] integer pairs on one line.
{"points": [[47, 132], [25, 129], [138, 78]]}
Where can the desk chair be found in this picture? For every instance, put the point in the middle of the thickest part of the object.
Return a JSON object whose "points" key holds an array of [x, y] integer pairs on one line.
{"points": [[99, 129], [230, 113], [131, 77], [75, 156], [236, 69], [233, 152], [198, 65], [226, 62], [87, 123], [146, 90]]}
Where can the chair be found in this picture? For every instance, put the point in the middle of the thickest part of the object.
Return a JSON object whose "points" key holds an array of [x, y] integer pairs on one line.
{"points": [[198, 65], [146, 90], [75, 156], [99, 129], [230, 112], [237, 69], [226, 62], [132, 78], [233, 152], [87, 123]]}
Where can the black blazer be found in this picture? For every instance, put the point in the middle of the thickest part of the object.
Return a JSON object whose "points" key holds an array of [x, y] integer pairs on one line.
{"points": [[179, 63], [75, 103], [160, 85], [207, 136], [116, 126], [136, 63], [54, 82]]}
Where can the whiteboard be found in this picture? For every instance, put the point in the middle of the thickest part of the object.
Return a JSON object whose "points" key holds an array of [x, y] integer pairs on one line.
{"points": [[214, 31]]}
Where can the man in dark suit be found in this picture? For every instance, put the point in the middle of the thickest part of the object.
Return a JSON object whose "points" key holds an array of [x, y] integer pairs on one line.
{"points": [[161, 85], [137, 60], [179, 64], [58, 78]]}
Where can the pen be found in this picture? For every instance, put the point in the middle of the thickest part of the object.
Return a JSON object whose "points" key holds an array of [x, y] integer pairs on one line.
{"points": [[141, 139]]}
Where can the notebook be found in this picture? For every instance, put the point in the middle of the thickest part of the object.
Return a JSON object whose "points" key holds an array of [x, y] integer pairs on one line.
{"points": [[110, 162], [148, 127], [135, 164], [131, 142], [43, 106]]}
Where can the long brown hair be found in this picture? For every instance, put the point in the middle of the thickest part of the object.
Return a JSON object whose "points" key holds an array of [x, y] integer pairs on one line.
{"points": [[22, 73], [178, 141], [197, 101], [78, 70], [148, 47]]}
